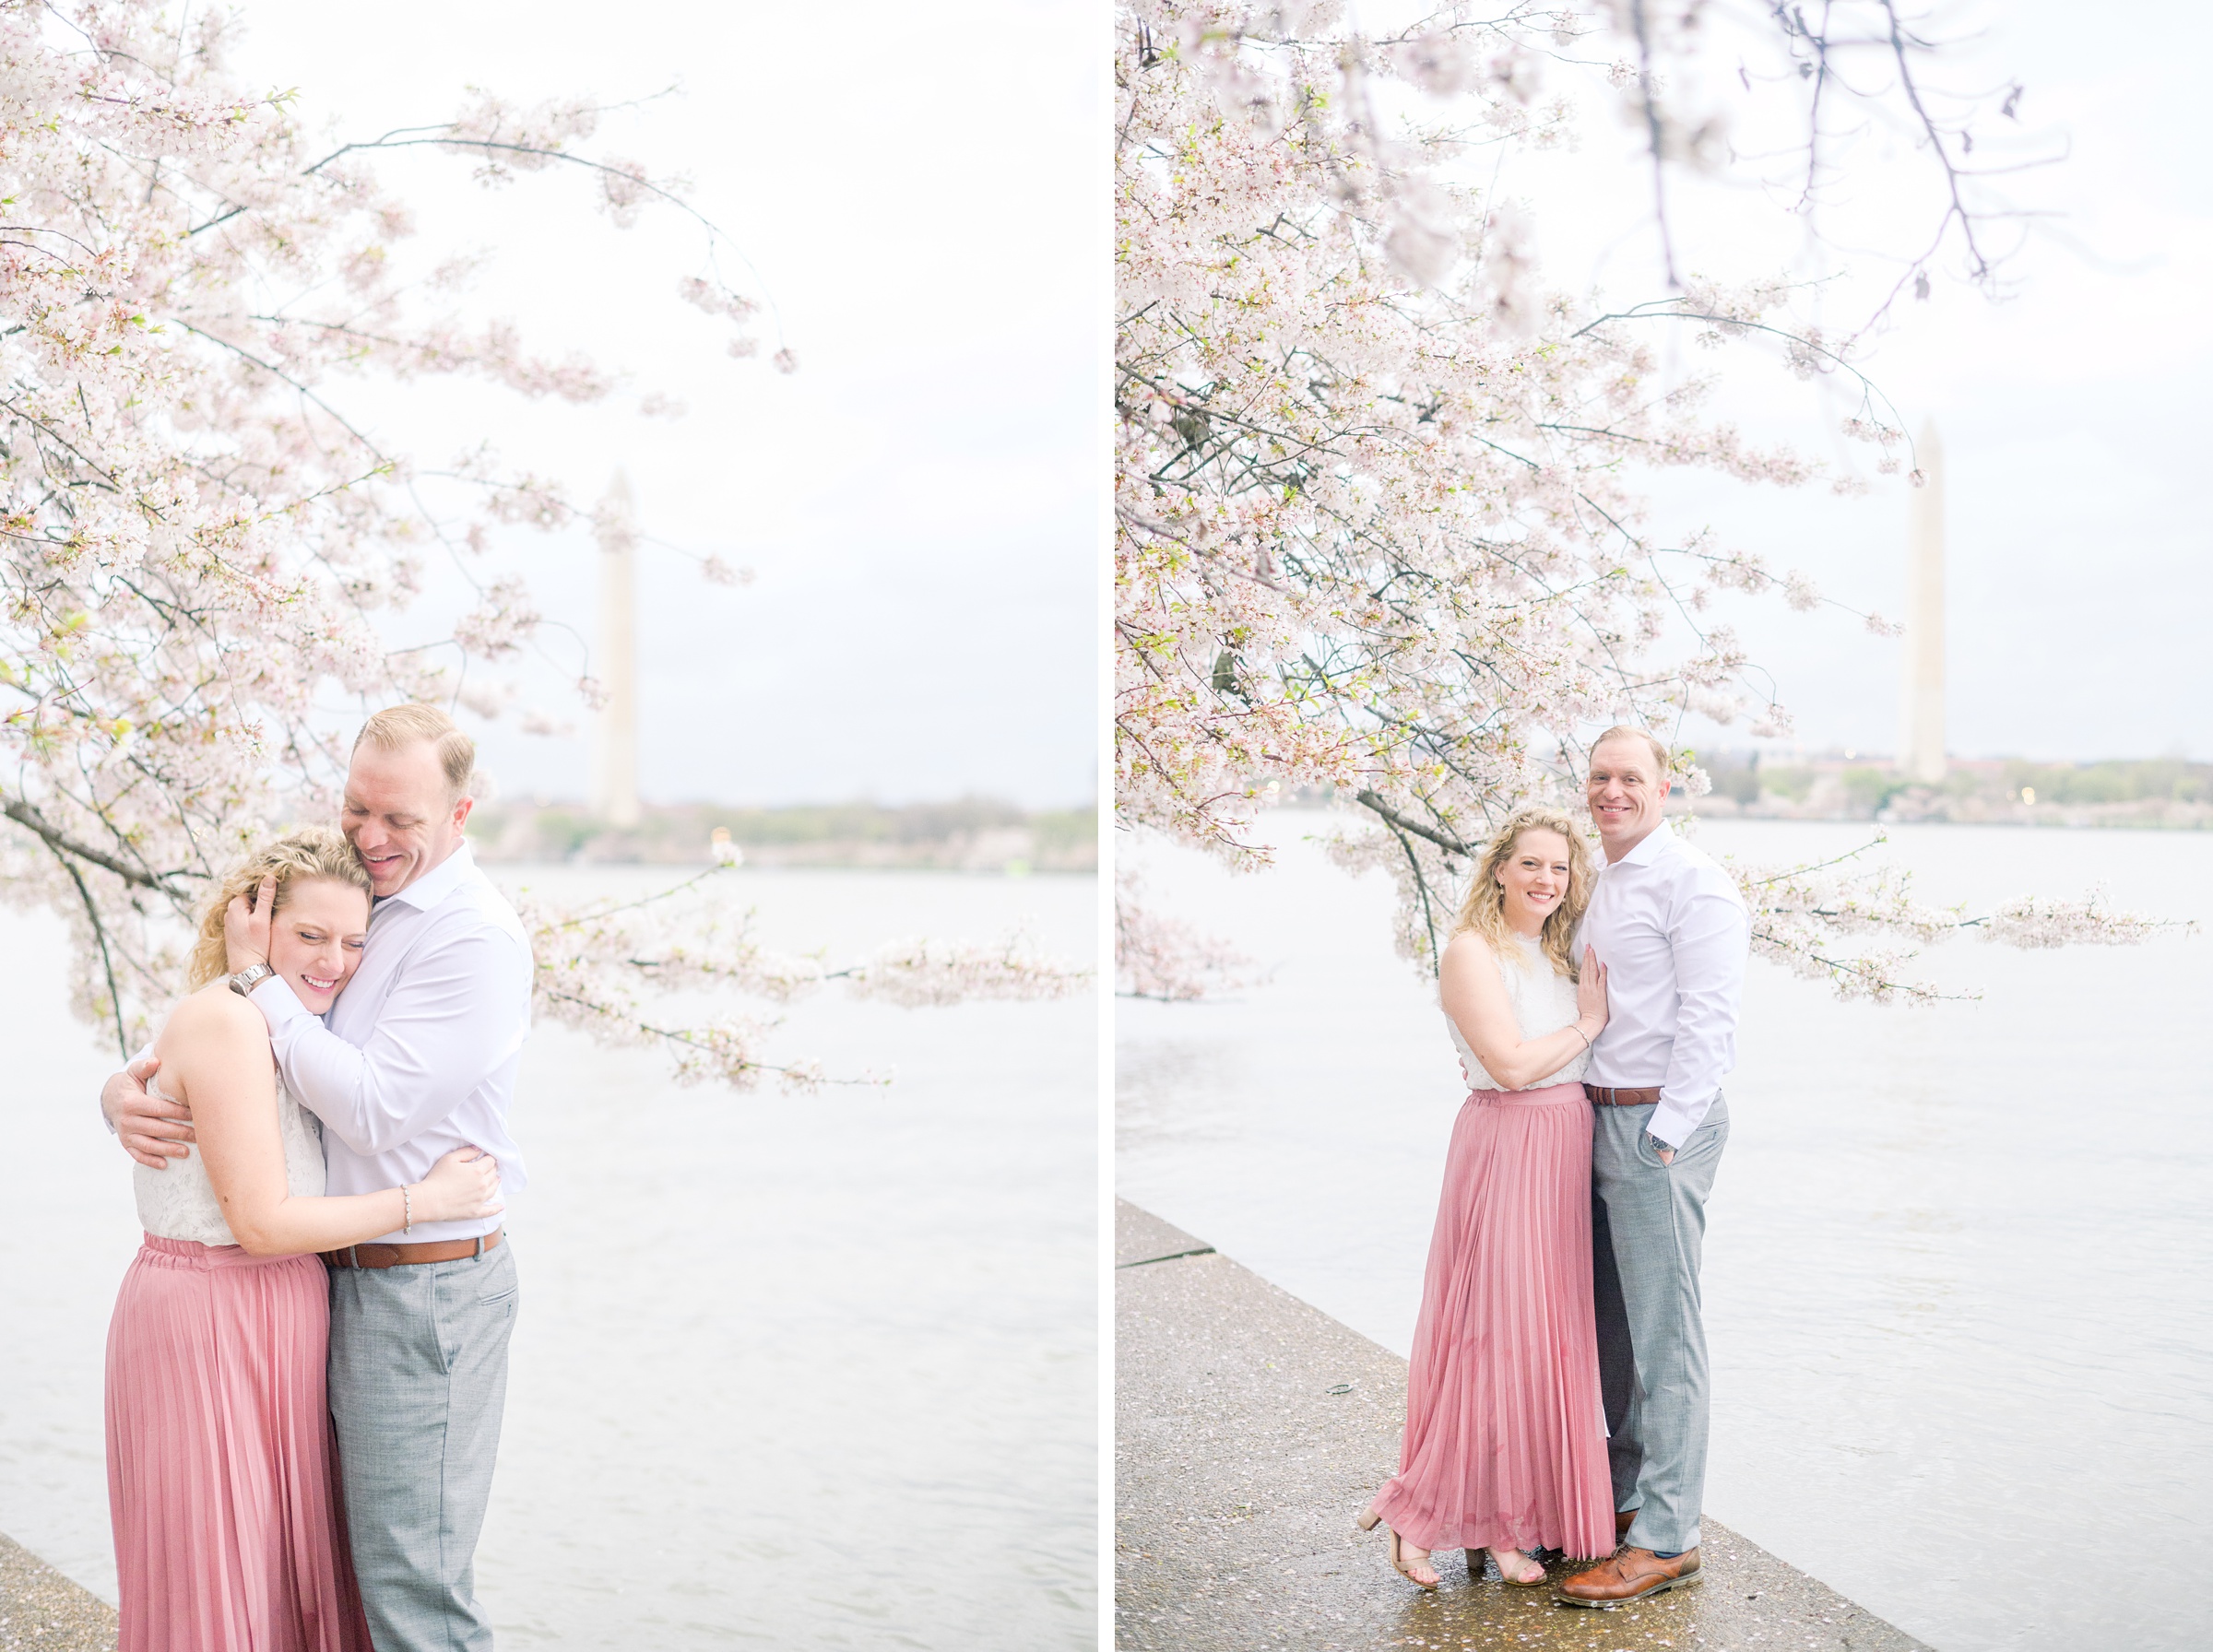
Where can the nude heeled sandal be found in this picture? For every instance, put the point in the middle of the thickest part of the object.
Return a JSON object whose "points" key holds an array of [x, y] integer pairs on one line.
{"points": [[1483, 1564], [1366, 1520]]}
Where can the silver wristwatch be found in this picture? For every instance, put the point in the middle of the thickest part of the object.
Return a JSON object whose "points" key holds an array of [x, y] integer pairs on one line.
{"points": [[247, 979]]}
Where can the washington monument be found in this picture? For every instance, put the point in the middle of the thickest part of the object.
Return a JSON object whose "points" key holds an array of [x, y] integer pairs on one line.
{"points": [[1921, 702], [615, 777]]}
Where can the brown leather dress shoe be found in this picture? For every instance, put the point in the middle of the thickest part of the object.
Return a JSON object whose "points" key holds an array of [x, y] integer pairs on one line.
{"points": [[1631, 1574]]}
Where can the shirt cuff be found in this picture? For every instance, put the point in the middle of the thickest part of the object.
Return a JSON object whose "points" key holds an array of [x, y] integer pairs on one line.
{"points": [[1672, 1120], [279, 1004]]}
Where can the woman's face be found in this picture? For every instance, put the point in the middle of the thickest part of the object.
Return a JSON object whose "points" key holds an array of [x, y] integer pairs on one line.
{"points": [[1535, 875], [315, 944]]}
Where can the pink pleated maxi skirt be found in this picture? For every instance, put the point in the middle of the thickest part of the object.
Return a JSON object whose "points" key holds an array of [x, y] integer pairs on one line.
{"points": [[222, 1465], [1506, 1435]]}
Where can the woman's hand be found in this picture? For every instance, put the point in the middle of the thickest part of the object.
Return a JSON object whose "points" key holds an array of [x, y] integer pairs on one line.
{"points": [[247, 923], [462, 1185], [1591, 994]]}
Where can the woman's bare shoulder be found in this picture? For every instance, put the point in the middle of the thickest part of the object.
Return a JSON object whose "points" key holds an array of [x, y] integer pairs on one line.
{"points": [[1469, 954], [214, 1015]]}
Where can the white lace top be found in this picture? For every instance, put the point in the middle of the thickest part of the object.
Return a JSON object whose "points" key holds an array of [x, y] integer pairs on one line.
{"points": [[180, 1202], [1544, 1002]]}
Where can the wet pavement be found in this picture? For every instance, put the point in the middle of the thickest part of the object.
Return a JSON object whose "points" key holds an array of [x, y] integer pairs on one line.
{"points": [[1250, 1428], [41, 1609]]}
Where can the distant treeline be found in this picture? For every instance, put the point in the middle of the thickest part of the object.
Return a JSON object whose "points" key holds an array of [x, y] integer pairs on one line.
{"points": [[968, 834], [2164, 790]]}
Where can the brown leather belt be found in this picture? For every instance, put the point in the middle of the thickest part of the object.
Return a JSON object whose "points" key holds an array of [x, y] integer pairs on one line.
{"points": [[399, 1255], [1621, 1098]]}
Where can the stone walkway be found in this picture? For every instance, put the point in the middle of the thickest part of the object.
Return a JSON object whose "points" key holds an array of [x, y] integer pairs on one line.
{"points": [[1251, 1428], [41, 1609]]}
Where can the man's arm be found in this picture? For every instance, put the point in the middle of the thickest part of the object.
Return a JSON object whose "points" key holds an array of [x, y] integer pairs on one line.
{"points": [[151, 1128], [457, 1012], [1711, 939]]}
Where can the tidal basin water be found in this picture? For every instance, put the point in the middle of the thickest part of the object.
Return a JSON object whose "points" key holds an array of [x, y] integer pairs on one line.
{"points": [[1958, 1271], [790, 1371]]}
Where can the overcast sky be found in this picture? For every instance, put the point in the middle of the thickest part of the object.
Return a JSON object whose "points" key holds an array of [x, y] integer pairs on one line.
{"points": [[2073, 413], [918, 188], [920, 193]]}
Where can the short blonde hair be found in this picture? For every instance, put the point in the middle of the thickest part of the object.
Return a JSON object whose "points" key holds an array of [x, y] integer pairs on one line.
{"points": [[309, 852], [1629, 731], [400, 725], [1484, 910]]}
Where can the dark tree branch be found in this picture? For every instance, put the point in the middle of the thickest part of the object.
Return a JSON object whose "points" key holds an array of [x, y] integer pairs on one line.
{"points": [[99, 934], [26, 813], [1399, 822]]}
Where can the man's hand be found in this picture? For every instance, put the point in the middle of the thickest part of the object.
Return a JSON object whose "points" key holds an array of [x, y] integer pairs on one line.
{"points": [[152, 1128], [246, 926]]}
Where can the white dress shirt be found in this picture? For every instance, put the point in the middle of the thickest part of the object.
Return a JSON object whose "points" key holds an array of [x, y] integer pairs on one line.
{"points": [[421, 1048], [1673, 934]]}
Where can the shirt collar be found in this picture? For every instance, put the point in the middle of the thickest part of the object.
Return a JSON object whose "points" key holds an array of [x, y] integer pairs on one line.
{"points": [[441, 880], [1656, 844]]}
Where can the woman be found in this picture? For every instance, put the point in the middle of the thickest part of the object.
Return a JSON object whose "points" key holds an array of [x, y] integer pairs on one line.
{"points": [[222, 1480], [1506, 1440]]}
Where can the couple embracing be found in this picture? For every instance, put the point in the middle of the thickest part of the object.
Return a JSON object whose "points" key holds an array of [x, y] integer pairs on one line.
{"points": [[308, 1358], [1556, 1401]]}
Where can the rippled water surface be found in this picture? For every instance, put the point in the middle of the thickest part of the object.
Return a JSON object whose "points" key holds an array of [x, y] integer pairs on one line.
{"points": [[1960, 1266], [790, 1372]]}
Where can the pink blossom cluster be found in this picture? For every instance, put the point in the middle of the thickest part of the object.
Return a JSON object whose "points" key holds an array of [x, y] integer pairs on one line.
{"points": [[621, 971], [1166, 958], [1817, 922]]}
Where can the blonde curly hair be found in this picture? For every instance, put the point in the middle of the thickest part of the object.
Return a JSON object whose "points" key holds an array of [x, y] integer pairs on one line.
{"points": [[304, 852], [1484, 909]]}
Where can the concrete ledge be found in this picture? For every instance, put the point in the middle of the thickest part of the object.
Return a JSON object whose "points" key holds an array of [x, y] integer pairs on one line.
{"points": [[1250, 1428], [42, 1609]]}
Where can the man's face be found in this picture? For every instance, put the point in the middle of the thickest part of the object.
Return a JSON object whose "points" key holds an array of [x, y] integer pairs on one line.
{"points": [[1624, 790], [400, 814]]}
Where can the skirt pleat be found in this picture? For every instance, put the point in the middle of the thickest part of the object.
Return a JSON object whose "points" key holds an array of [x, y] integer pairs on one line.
{"points": [[1506, 1436], [222, 1462]]}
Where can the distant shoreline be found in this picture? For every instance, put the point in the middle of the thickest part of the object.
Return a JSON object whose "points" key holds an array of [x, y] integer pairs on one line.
{"points": [[971, 835], [2169, 794], [2056, 820]]}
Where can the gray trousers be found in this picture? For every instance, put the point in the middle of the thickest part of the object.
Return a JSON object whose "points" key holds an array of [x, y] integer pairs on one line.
{"points": [[1647, 1226], [418, 1382]]}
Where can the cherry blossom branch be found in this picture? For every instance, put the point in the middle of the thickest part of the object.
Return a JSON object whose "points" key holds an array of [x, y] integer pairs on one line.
{"points": [[100, 936], [26, 814], [1164, 959]]}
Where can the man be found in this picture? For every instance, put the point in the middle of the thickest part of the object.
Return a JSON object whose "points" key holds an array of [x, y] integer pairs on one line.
{"points": [[419, 1057], [1673, 934]]}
